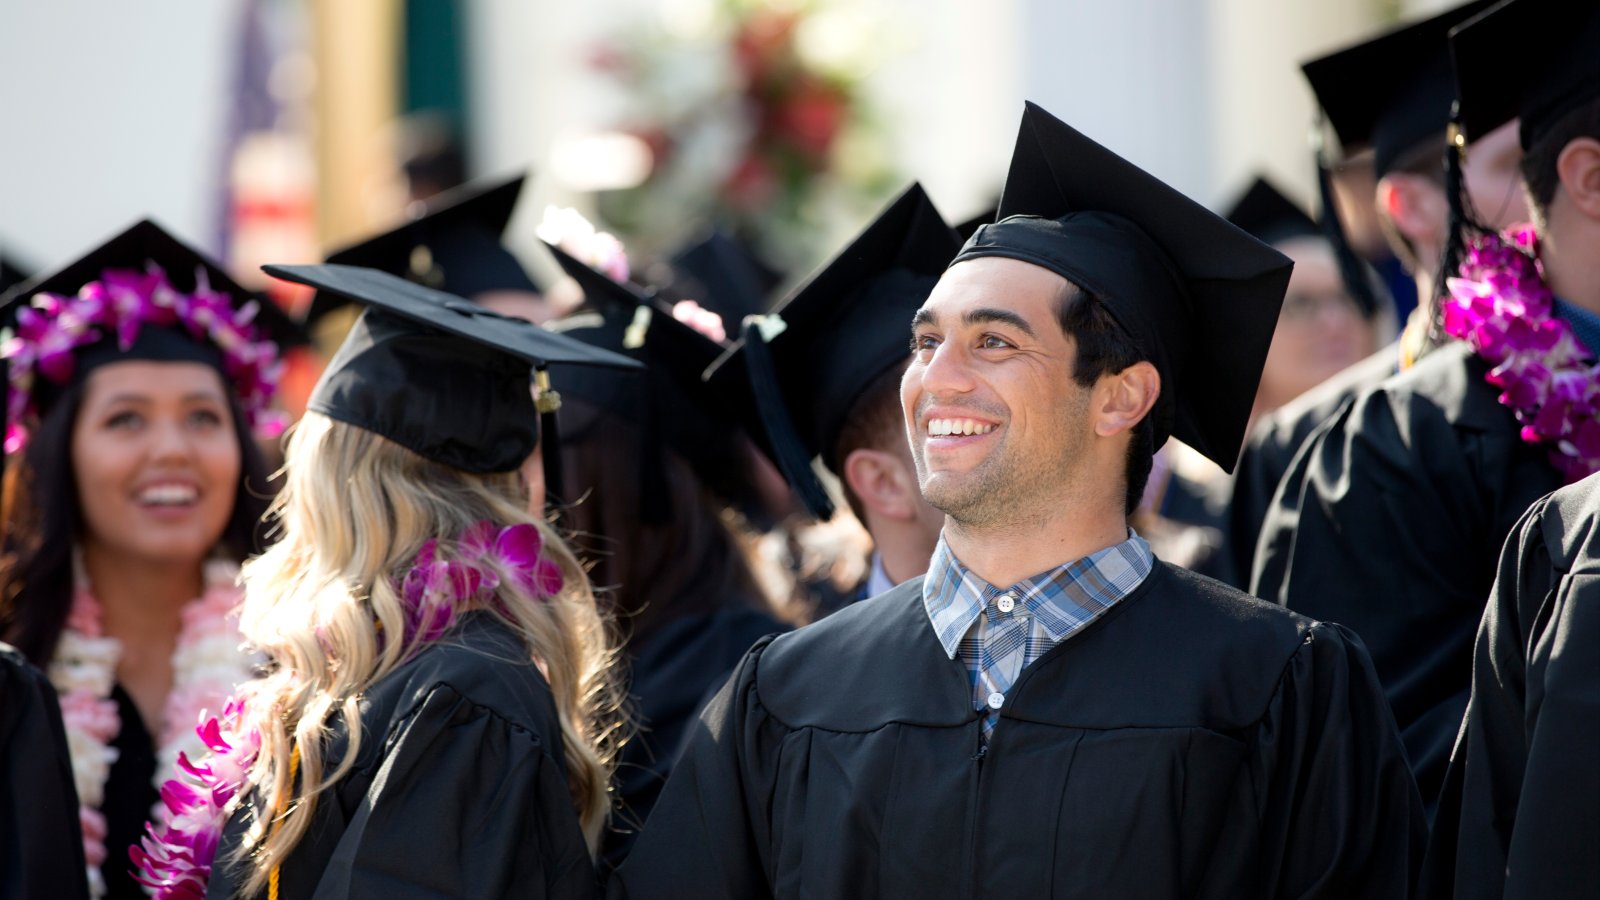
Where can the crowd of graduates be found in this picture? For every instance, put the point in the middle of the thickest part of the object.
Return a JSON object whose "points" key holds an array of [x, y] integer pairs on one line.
{"points": [[1102, 546]]}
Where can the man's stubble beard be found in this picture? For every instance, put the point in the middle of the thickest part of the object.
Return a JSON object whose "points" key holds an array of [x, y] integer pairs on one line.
{"points": [[1009, 487]]}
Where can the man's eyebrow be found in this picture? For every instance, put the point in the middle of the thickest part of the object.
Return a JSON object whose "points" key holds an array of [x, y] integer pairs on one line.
{"points": [[924, 317], [1003, 316]]}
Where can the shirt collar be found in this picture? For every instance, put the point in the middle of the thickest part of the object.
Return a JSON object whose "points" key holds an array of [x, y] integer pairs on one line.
{"points": [[1060, 599], [878, 581], [1585, 324]]}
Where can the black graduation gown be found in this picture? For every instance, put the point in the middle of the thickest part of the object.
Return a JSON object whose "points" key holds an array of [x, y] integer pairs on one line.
{"points": [[674, 672], [130, 796], [1272, 444], [41, 847], [1389, 523], [459, 790], [1520, 812], [1193, 742]]}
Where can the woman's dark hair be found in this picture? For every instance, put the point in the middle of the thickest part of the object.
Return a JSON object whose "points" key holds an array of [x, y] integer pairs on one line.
{"points": [[39, 515], [1103, 348], [684, 561]]}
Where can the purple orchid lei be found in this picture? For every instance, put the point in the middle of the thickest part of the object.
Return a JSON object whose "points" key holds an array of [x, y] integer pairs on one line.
{"points": [[52, 327], [1502, 307], [436, 589], [174, 859]]}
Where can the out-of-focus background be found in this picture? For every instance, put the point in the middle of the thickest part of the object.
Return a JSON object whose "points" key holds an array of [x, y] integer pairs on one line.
{"points": [[271, 130]]}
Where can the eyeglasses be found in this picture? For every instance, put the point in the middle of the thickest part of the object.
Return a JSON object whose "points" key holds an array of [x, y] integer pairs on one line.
{"points": [[1304, 306]]}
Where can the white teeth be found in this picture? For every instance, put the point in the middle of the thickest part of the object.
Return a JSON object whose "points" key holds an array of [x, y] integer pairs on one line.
{"points": [[169, 495], [943, 427]]}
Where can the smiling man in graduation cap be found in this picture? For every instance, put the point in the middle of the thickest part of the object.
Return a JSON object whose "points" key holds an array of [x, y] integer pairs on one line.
{"points": [[1051, 711]]}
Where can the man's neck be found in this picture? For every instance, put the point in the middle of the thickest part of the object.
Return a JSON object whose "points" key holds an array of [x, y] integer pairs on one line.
{"points": [[904, 547], [1006, 554], [1571, 269]]}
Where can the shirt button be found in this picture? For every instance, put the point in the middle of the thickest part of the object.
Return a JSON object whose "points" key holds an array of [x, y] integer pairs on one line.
{"points": [[1007, 602], [996, 700]]}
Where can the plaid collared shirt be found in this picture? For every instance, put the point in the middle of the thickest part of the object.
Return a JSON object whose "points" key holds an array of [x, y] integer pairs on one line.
{"points": [[998, 632]]}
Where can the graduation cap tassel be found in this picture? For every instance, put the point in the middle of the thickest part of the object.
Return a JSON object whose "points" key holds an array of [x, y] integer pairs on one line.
{"points": [[786, 444], [1351, 269], [1463, 219], [548, 403]]}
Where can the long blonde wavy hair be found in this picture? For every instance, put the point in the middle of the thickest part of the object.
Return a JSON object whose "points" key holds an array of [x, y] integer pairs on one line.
{"points": [[323, 605]]}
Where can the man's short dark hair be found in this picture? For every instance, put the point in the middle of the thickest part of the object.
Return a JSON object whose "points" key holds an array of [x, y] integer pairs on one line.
{"points": [[1104, 348], [1539, 175], [874, 421]]}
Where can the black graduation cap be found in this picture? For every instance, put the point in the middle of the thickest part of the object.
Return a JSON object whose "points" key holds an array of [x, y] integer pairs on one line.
{"points": [[1391, 92], [143, 244], [1556, 68], [1269, 215], [438, 374], [1197, 294], [841, 330], [673, 404], [722, 275], [451, 243], [11, 273]]}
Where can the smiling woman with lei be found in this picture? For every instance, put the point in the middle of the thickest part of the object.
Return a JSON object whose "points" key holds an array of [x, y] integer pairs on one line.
{"points": [[136, 377]]}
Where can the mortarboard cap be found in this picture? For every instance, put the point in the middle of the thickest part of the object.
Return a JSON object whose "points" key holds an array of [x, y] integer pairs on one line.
{"points": [[841, 330], [722, 275], [1199, 296], [1559, 71], [11, 273], [451, 244], [672, 404], [136, 248], [1392, 92], [436, 373], [1266, 214]]}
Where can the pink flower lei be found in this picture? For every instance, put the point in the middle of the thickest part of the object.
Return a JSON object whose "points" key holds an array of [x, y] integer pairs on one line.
{"points": [[1502, 307], [175, 857], [54, 326]]}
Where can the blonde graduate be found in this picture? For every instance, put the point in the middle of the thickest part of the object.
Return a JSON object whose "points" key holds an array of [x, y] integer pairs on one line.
{"points": [[324, 604]]}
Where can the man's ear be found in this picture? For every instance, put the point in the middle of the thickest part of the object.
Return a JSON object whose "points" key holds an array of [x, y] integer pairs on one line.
{"points": [[883, 483], [1578, 167], [1122, 400], [1409, 202]]}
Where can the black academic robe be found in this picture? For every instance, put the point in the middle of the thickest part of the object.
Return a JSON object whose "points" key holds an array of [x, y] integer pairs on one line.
{"points": [[1390, 521], [459, 789], [673, 672], [1272, 444], [41, 848], [1192, 742], [130, 796], [1520, 812]]}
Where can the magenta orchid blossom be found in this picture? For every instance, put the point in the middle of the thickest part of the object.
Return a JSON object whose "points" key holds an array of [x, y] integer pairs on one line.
{"points": [[53, 327], [436, 589], [174, 858], [1501, 306]]}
